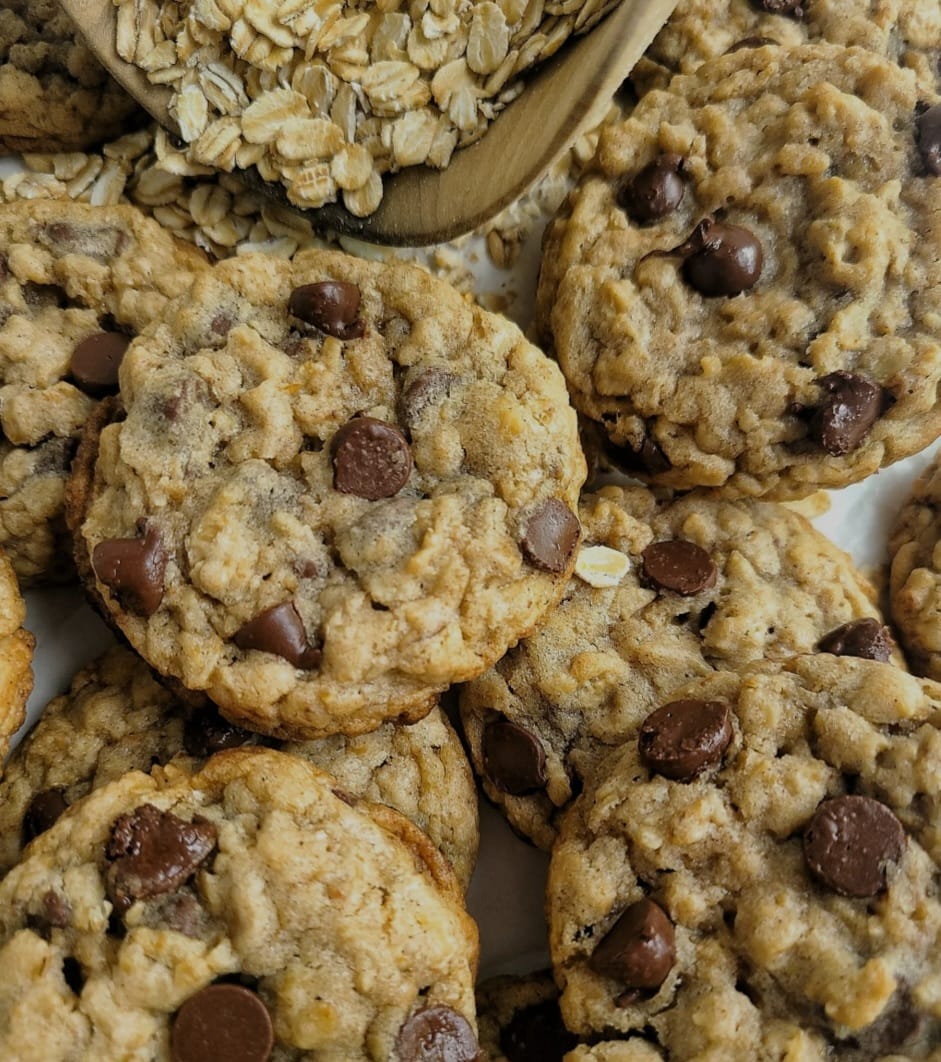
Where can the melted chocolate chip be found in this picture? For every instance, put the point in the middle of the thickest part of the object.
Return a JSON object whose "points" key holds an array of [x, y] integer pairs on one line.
{"points": [[639, 950], [425, 392], [514, 759], [179, 911], [865, 638], [436, 1034], [683, 738], [720, 259], [850, 843], [330, 305], [55, 913], [95, 362], [371, 459], [678, 565], [550, 536], [928, 136], [897, 1026], [151, 852], [781, 7], [851, 406], [654, 192], [222, 1023], [279, 630], [43, 811], [134, 569], [207, 733], [536, 1034]]}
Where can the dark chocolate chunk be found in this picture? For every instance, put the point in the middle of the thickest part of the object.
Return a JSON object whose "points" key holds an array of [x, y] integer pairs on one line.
{"points": [[551, 535], [793, 8], [279, 630], [95, 362], [425, 391], [851, 406], [721, 259], [654, 192], [134, 569], [207, 733], [43, 811], [436, 1034], [514, 759], [330, 305], [850, 842], [536, 1034], [865, 638], [371, 459], [222, 1023], [639, 950], [683, 738], [678, 565], [928, 135], [55, 912], [151, 852]]}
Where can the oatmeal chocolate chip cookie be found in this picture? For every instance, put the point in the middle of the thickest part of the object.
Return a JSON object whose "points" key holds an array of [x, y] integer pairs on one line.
{"points": [[915, 573], [745, 291], [905, 31], [76, 283], [162, 909], [54, 95], [117, 718], [664, 592], [16, 654], [338, 488], [785, 888]]}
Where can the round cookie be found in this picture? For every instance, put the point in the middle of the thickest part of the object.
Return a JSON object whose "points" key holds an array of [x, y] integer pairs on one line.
{"points": [[68, 273], [771, 894], [915, 573], [159, 904], [117, 718], [762, 314], [338, 488], [16, 654], [749, 581], [54, 95]]}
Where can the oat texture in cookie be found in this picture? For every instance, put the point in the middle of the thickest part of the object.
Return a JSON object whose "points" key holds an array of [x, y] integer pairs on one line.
{"points": [[339, 487], [117, 718], [16, 654], [330, 928], [54, 96], [758, 873], [76, 283], [746, 290], [664, 593]]}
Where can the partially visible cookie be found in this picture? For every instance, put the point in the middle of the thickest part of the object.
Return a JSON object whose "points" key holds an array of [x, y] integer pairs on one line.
{"points": [[54, 94], [667, 592], [519, 1020], [76, 283], [762, 867], [745, 290], [16, 654], [117, 718], [338, 488], [247, 907]]}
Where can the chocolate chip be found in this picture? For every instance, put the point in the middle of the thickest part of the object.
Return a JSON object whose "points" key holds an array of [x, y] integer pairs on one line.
{"points": [[898, 1025], [371, 459], [865, 638], [750, 42], [280, 630], [55, 912], [849, 843], [654, 192], [780, 7], [207, 733], [330, 305], [43, 811], [428, 389], [678, 565], [104, 243], [95, 362], [844, 418], [536, 1034], [683, 738], [436, 1034], [152, 852], [222, 1023], [720, 259], [134, 569], [550, 536], [928, 136], [639, 950], [514, 759], [179, 911]]}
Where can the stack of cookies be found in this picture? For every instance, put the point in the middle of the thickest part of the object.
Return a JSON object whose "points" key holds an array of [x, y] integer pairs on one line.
{"points": [[310, 494]]}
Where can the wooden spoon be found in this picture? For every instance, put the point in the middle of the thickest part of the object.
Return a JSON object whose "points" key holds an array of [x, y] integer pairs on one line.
{"points": [[421, 205]]}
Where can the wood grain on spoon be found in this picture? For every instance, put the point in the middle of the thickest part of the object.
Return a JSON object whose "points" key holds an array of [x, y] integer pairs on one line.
{"points": [[420, 205]]}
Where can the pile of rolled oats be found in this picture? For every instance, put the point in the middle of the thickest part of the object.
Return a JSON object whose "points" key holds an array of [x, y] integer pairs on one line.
{"points": [[327, 95]]}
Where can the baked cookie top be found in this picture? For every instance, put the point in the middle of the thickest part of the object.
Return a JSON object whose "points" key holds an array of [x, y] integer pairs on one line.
{"points": [[766, 852], [245, 904], [339, 487], [16, 655], [677, 590], [746, 289], [915, 573], [76, 282], [54, 95], [117, 718]]}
